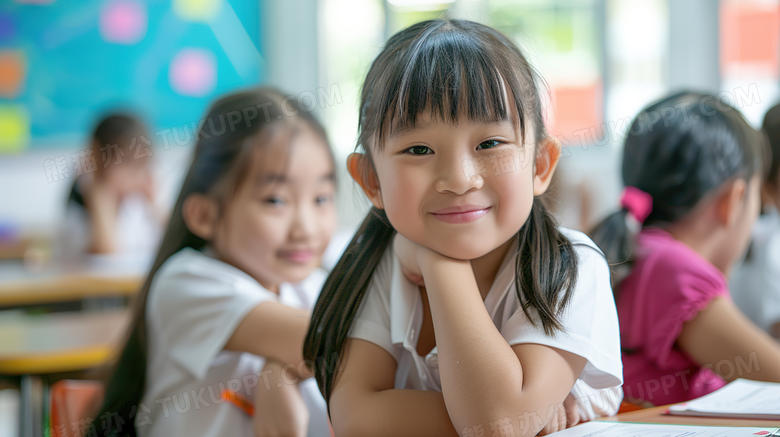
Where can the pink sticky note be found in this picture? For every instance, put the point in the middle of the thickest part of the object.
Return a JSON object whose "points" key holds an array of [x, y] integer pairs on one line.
{"points": [[123, 21], [193, 72]]}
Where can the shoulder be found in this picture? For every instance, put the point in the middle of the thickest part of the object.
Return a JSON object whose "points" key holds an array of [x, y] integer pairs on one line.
{"points": [[673, 268], [591, 261], [191, 274]]}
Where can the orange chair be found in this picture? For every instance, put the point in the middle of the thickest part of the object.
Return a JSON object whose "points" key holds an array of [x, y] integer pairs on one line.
{"points": [[626, 407], [73, 400]]}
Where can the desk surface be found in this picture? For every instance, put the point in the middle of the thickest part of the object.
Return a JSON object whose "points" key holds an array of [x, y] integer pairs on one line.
{"points": [[656, 415], [59, 342], [65, 288], [98, 278]]}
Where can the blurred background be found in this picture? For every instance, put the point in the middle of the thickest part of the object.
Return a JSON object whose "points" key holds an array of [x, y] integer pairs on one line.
{"points": [[65, 64]]}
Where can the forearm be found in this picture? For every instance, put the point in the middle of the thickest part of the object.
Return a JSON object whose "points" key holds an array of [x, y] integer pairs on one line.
{"points": [[102, 229], [481, 376], [393, 413], [286, 373], [273, 331]]}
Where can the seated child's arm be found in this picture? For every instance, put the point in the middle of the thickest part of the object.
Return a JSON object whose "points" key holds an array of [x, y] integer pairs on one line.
{"points": [[364, 401], [484, 380], [102, 204], [279, 409], [739, 342], [274, 331]]}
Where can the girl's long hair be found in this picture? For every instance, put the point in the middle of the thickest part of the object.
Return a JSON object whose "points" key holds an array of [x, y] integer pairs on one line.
{"points": [[678, 150], [454, 70], [234, 126]]}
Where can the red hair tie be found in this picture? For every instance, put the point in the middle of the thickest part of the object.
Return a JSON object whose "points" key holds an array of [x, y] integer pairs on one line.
{"points": [[638, 203]]}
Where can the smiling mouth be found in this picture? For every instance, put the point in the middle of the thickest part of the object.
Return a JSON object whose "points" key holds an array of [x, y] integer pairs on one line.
{"points": [[467, 215]]}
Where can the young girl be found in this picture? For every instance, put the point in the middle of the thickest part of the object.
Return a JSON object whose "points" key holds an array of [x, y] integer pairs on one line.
{"points": [[692, 170], [479, 314], [111, 208], [755, 284], [220, 321]]}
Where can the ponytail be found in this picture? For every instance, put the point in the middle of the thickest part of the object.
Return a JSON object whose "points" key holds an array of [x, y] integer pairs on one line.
{"points": [[617, 240], [546, 269], [341, 296]]}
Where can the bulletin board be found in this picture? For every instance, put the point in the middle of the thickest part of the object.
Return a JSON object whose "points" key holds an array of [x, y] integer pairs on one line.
{"points": [[65, 63]]}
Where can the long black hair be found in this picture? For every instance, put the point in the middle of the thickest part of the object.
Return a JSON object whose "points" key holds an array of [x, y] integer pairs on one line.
{"points": [[453, 69], [234, 126], [678, 150]]}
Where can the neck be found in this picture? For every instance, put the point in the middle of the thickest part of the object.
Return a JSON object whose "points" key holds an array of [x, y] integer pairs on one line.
{"points": [[702, 239], [486, 267]]}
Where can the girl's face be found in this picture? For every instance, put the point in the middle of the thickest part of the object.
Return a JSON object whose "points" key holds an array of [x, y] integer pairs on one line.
{"points": [[280, 220], [460, 189]]}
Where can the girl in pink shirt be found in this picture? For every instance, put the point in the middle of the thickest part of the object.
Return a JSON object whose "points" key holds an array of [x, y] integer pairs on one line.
{"points": [[692, 168]]}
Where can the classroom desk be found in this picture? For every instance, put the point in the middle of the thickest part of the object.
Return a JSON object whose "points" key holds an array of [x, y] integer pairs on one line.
{"points": [[101, 277], [64, 288], [656, 415], [33, 345], [58, 342]]}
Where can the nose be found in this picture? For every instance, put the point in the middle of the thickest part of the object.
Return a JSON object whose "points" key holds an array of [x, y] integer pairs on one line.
{"points": [[460, 175], [303, 224]]}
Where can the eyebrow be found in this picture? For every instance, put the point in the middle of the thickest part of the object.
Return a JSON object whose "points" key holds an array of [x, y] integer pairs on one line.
{"points": [[281, 179]]}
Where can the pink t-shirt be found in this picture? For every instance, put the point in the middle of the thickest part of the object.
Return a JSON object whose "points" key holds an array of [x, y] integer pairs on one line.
{"points": [[668, 285]]}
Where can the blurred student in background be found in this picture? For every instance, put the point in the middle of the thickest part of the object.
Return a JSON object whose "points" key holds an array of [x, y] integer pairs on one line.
{"points": [[215, 345], [111, 207], [755, 284], [693, 181]]}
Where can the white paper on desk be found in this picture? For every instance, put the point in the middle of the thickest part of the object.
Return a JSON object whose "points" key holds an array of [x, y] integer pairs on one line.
{"points": [[624, 429], [741, 399]]}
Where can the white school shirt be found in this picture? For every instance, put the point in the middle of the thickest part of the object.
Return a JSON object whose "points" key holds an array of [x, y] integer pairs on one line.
{"points": [[755, 283], [391, 315], [195, 304], [138, 231]]}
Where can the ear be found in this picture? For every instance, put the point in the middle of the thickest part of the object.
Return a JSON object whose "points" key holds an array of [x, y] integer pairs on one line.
{"points": [[545, 164], [362, 171], [729, 202], [200, 215]]}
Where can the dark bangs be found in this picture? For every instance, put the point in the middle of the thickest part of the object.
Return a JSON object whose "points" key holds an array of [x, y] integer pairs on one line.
{"points": [[448, 69]]}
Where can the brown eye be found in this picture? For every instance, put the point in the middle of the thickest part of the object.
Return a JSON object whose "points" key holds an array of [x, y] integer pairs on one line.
{"points": [[489, 144]]}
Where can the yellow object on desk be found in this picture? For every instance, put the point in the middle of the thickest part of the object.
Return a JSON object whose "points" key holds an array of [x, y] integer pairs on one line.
{"points": [[65, 288], [658, 415], [58, 342]]}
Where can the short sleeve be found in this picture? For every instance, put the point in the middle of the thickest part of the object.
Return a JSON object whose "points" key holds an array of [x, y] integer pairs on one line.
{"points": [[372, 322], [196, 304], [590, 322], [679, 292]]}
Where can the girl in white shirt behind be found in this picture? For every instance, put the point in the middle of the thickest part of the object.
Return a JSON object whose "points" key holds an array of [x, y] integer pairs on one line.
{"points": [[215, 343], [460, 307], [754, 284]]}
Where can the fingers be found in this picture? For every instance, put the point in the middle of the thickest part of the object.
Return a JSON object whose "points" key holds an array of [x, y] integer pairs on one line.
{"points": [[572, 415], [572, 410], [556, 423]]}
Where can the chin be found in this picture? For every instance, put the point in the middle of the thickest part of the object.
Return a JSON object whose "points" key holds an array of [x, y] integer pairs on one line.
{"points": [[295, 273], [461, 250]]}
